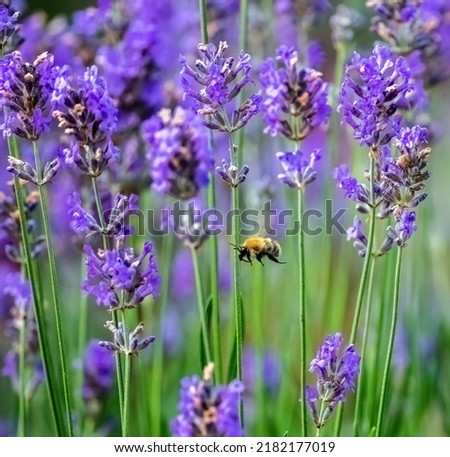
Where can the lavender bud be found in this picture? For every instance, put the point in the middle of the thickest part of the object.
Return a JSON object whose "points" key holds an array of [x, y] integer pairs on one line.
{"points": [[22, 170], [231, 174]]}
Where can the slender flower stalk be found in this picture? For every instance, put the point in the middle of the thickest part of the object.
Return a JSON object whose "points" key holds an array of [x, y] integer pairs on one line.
{"points": [[299, 171], [55, 291], [390, 349], [302, 310], [295, 103], [156, 397], [201, 305], [237, 294], [126, 385], [359, 392]]}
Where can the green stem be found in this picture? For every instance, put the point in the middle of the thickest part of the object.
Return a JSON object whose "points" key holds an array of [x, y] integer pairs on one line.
{"points": [[302, 313], [386, 286], [214, 275], [359, 391], [203, 21], [391, 340], [126, 384], [82, 330], [156, 397], [237, 296], [55, 292], [321, 412], [22, 386], [201, 305], [364, 275], [39, 313], [214, 248]]}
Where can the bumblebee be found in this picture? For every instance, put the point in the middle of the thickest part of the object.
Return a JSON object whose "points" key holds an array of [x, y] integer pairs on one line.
{"points": [[258, 247]]}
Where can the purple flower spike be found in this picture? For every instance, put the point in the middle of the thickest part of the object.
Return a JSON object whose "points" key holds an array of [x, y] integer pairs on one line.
{"points": [[87, 114], [292, 95], [336, 373], [372, 92], [215, 82], [25, 89], [8, 23], [206, 410], [405, 25], [113, 272], [179, 157], [298, 168]]}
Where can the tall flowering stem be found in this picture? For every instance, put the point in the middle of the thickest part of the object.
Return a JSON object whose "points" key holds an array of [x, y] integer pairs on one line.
{"points": [[25, 96], [295, 103], [214, 244], [372, 93], [214, 83], [390, 349], [299, 171], [87, 113]]}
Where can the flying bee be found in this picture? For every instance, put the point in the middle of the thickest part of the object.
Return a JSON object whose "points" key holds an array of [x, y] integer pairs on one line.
{"points": [[258, 247]]}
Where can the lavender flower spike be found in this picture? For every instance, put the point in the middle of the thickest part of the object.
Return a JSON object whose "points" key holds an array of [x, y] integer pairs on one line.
{"points": [[8, 23], [87, 114], [206, 410], [215, 82], [179, 157], [25, 89], [336, 376], [115, 273], [371, 94], [295, 99]]}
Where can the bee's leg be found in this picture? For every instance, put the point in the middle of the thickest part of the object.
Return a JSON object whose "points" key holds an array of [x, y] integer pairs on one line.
{"points": [[274, 259], [249, 258], [258, 258]]}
